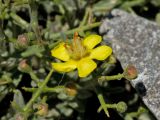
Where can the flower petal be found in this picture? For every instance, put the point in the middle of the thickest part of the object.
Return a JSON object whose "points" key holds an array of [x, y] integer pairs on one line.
{"points": [[86, 66], [60, 52], [101, 53], [91, 41], [65, 67]]}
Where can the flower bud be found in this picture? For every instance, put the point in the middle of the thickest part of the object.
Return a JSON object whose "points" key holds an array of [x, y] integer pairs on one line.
{"points": [[24, 67], [121, 107], [22, 42], [130, 72], [42, 109], [20, 116], [71, 89]]}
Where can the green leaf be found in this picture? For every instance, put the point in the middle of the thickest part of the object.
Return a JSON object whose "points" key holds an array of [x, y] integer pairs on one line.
{"points": [[156, 2], [158, 18], [105, 5], [84, 94], [17, 80], [33, 50], [18, 99], [3, 92]]}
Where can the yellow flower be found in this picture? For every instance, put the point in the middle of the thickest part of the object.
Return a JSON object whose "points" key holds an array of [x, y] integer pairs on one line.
{"points": [[80, 54]]}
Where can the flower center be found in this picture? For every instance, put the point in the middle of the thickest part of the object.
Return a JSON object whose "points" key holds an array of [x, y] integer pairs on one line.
{"points": [[76, 49]]}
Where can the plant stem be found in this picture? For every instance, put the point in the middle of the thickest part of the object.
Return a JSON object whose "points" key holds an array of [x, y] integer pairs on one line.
{"points": [[20, 2], [34, 19], [129, 4], [34, 77], [38, 92], [2, 35], [103, 104], [22, 23], [107, 106], [113, 77], [45, 89], [136, 113], [84, 20], [79, 29]]}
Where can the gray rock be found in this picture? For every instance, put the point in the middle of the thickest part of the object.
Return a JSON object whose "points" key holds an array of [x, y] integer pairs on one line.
{"points": [[136, 41]]}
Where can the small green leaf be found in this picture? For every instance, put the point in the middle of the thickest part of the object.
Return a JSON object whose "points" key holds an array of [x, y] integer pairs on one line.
{"points": [[155, 2], [33, 50], [158, 18], [18, 98], [104, 5]]}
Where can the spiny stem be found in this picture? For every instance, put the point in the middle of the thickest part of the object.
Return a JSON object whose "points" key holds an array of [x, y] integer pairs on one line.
{"points": [[45, 89], [38, 92], [79, 29]]}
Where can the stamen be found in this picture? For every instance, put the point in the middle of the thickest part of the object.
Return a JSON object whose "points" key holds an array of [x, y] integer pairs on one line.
{"points": [[76, 49], [65, 45], [75, 38], [67, 41], [75, 35]]}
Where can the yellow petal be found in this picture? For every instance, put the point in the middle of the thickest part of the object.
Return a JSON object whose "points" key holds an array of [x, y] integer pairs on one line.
{"points": [[91, 41], [65, 67], [60, 52], [85, 67], [101, 53]]}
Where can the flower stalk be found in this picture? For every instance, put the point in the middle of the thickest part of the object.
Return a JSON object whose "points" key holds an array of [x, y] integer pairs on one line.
{"points": [[34, 19], [129, 73], [109, 78], [120, 106], [46, 89], [38, 92], [103, 105], [25, 68], [79, 29], [86, 15], [34, 76]]}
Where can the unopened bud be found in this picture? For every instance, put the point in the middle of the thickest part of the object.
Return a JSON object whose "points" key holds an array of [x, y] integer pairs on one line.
{"points": [[121, 107], [22, 42], [130, 72], [24, 67], [71, 89], [42, 109], [20, 116]]}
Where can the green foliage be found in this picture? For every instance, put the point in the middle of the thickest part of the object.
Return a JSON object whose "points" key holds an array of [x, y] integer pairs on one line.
{"points": [[45, 23]]}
